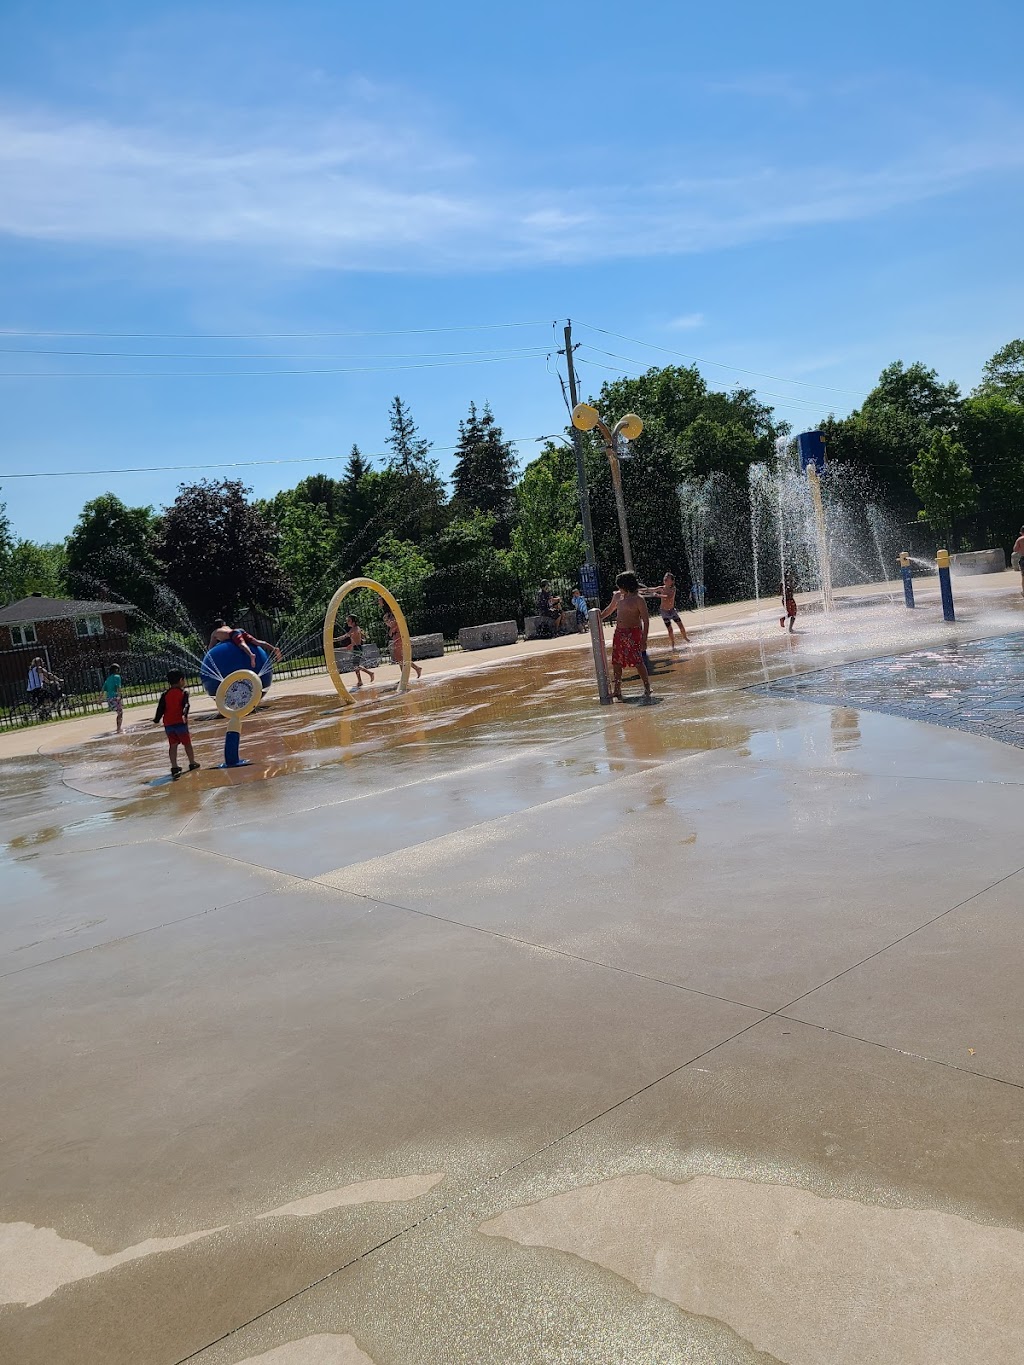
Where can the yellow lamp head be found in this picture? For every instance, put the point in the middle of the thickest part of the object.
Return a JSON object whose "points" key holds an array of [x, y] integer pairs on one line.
{"points": [[629, 426], [584, 417]]}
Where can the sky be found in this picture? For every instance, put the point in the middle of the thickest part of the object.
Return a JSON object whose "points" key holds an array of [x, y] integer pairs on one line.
{"points": [[230, 233]]}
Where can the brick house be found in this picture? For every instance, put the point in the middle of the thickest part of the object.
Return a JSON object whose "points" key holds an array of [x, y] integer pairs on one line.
{"points": [[76, 640]]}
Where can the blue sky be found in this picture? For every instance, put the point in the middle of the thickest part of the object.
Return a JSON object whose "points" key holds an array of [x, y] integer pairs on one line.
{"points": [[291, 213]]}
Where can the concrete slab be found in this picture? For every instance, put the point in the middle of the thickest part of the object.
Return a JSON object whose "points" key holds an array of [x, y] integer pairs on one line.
{"points": [[950, 991], [729, 1213], [713, 872], [297, 1044]]}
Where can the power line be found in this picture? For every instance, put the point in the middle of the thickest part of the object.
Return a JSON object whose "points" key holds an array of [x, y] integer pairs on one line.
{"points": [[499, 351], [701, 360], [767, 393], [227, 464], [268, 336], [261, 374]]}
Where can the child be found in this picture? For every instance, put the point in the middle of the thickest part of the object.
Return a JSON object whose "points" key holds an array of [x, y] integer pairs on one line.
{"points": [[172, 708], [354, 639], [582, 610], [667, 596], [395, 641], [111, 694], [223, 632], [787, 590], [629, 643]]}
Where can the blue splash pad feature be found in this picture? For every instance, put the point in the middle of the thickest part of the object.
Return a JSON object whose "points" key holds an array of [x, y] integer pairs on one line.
{"points": [[225, 658]]}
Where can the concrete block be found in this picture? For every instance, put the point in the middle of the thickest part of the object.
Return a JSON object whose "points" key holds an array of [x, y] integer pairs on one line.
{"points": [[539, 627], [427, 646], [371, 658], [488, 636], [978, 561]]}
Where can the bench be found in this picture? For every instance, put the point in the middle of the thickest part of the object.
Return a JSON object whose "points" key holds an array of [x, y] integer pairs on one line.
{"points": [[427, 646], [978, 561], [489, 636], [539, 627], [346, 662]]}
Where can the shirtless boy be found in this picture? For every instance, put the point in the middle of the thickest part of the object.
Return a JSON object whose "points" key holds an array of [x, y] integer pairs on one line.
{"points": [[667, 595], [354, 639], [632, 623], [1018, 550], [222, 632]]}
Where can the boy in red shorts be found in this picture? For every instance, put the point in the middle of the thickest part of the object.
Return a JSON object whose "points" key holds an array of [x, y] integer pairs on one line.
{"points": [[172, 709], [632, 623]]}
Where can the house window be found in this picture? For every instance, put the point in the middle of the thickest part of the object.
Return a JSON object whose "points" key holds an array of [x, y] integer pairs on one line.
{"points": [[25, 634], [88, 625]]}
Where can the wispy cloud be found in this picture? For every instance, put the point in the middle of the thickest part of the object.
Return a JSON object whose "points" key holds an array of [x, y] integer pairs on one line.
{"points": [[359, 192], [687, 322]]}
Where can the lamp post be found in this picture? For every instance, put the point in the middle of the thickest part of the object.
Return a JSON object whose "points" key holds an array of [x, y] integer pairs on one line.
{"points": [[627, 428]]}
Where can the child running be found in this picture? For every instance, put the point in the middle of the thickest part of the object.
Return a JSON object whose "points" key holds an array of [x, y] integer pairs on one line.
{"points": [[395, 642], [172, 709], [111, 694], [667, 595], [632, 622], [787, 590], [354, 639]]}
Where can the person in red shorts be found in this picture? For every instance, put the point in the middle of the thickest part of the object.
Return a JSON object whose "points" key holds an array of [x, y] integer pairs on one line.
{"points": [[629, 642], [172, 709], [787, 591]]}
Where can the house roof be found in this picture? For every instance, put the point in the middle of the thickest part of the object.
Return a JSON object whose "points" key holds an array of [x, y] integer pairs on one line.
{"points": [[54, 609]]}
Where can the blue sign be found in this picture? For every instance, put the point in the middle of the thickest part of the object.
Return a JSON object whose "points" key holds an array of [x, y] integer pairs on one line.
{"points": [[589, 585], [811, 445]]}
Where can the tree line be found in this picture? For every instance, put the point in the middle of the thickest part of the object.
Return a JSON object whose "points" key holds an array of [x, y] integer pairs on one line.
{"points": [[479, 550]]}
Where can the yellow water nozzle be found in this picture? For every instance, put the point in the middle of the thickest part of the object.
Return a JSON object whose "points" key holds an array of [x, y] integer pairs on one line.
{"points": [[942, 559], [904, 560]]}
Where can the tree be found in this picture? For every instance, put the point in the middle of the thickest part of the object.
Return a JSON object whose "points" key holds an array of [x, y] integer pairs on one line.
{"points": [[404, 570], [35, 568], [1003, 374], [306, 550], [547, 540], [6, 549], [470, 582], [417, 494], [110, 554], [943, 481], [219, 551], [485, 469], [992, 433]]}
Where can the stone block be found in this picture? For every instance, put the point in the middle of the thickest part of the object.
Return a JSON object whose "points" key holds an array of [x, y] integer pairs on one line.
{"points": [[978, 561], [490, 635], [371, 658], [539, 627], [427, 646]]}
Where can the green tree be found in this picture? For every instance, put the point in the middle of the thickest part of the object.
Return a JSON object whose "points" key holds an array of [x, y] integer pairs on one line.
{"points": [[109, 552], [6, 549], [307, 549], [992, 433], [219, 551], [485, 470], [1003, 373], [416, 490], [547, 540], [403, 569], [943, 481], [32, 567]]}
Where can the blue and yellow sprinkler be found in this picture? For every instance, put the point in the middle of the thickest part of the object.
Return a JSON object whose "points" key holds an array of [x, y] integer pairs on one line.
{"points": [[238, 694]]}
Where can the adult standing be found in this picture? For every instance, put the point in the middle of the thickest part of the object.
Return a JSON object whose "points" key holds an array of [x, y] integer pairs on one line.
{"points": [[1018, 550], [39, 678], [550, 607]]}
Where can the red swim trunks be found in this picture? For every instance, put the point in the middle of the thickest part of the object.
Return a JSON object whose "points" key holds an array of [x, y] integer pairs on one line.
{"points": [[628, 646]]}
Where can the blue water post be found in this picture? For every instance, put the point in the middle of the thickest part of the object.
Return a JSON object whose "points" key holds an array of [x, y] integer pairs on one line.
{"points": [[945, 587], [908, 582], [231, 742]]}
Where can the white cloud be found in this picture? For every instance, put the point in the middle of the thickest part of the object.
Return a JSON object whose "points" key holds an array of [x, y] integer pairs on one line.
{"points": [[686, 323], [362, 192]]}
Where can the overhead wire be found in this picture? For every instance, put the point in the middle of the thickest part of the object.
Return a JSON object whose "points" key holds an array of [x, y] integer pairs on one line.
{"points": [[739, 369], [767, 393], [268, 336], [264, 374]]}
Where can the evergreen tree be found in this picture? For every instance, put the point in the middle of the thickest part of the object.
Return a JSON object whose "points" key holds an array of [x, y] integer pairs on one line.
{"points": [[485, 470], [410, 453], [417, 494]]}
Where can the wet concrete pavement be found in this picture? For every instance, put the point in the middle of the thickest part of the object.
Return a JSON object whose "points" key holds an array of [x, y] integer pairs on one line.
{"points": [[485, 1024]]}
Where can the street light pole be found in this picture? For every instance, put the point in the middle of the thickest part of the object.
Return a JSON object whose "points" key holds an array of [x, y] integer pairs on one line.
{"points": [[586, 418]]}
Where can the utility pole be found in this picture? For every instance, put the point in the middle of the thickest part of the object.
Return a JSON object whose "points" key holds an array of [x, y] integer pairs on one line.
{"points": [[581, 471]]}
